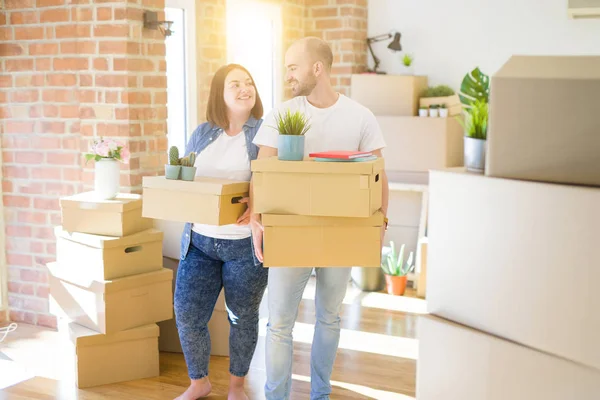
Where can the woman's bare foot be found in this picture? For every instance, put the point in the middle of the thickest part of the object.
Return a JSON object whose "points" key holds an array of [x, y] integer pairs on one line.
{"points": [[236, 389], [198, 388]]}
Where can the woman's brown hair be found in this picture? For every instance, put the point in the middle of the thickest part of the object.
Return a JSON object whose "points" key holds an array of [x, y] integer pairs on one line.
{"points": [[216, 110]]}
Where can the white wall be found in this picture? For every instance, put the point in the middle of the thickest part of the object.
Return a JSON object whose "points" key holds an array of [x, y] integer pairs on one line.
{"points": [[450, 37]]}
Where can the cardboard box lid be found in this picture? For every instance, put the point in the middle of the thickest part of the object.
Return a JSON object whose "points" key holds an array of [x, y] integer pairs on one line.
{"points": [[87, 201], [551, 67], [116, 285], [203, 185], [82, 336], [106, 242], [309, 166], [303, 220]]}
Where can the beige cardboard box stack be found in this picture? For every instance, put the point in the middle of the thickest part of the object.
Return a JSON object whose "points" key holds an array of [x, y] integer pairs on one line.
{"points": [[514, 259], [319, 214], [108, 288]]}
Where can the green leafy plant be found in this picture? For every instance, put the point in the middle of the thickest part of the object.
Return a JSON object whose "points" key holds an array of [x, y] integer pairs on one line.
{"points": [[174, 156], [189, 160], [475, 86], [443, 105], [407, 60], [438, 91], [292, 123], [394, 264], [475, 121], [434, 106]]}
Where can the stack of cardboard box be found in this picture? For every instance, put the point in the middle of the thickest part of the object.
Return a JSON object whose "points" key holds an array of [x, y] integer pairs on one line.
{"points": [[319, 214], [108, 288], [513, 254]]}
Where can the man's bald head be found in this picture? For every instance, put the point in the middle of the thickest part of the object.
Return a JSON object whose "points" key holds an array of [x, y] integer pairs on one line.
{"points": [[317, 49]]}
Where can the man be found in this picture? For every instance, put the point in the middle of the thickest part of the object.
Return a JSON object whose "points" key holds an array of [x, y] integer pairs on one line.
{"points": [[337, 123]]}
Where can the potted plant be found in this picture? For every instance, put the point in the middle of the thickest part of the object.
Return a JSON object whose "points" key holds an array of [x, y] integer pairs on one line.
{"points": [[474, 96], [173, 168], [423, 111], [407, 61], [396, 271], [443, 110], [433, 110], [292, 126], [188, 171], [107, 154], [441, 94]]}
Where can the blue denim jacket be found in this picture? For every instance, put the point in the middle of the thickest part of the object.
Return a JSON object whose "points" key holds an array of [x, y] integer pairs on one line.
{"points": [[203, 136]]}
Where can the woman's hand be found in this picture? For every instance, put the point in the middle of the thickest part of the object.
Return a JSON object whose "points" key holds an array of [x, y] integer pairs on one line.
{"points": [[257, 236], [245, 218]]}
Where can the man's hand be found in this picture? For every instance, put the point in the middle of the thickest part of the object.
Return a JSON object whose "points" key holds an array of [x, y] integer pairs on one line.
{"points": [[257, 235], [245, 218]]}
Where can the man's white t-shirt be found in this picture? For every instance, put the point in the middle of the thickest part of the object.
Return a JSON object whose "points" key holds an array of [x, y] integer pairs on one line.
{"points": [[226, 158], [347, 126]]}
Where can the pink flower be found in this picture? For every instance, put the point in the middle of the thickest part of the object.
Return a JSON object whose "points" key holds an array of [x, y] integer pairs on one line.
{"points": [[112, 145], [101, 149], [125, 155]]}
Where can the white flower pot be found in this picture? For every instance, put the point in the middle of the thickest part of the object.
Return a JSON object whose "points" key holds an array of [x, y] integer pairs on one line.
{"points": [[443, 112], [433, 112], [106, 179], [423, 112]]}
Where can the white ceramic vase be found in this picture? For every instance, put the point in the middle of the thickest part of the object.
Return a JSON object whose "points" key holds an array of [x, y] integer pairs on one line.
{"points": [[106, 179]]}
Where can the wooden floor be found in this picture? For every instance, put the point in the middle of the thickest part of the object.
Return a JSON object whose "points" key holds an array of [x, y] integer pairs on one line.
{"points": [[376, 358]]}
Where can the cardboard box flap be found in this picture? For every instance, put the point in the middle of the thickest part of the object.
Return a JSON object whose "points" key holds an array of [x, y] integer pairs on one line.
{"points": [[309, 166], [303, 220], [105, 242], [82, 336], [204, 185], [115, 285], [87, 201], [551, 67]]}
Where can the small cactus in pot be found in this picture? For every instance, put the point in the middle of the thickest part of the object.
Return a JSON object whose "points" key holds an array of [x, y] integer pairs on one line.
{"points": [[188, 171], [173, 168]]}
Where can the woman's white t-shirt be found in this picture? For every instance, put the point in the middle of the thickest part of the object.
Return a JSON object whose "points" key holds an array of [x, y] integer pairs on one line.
{"points": [[226, 158]]}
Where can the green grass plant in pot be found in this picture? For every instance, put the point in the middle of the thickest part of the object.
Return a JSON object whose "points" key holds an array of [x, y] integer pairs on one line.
{"points": [[173, 168], [292, 127], [396, 270], [474, 96], [188, 171]]}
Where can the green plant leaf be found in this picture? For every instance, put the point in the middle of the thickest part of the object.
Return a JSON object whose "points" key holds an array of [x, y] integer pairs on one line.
{"points": [[475, 86], [290, 123]]}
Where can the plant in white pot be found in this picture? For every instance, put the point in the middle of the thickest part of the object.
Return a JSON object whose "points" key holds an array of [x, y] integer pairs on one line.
{"points": [[443, 110], [474, 96], [107, 154], [434, 110], [423, 111], [292, 126], [188, 171]]}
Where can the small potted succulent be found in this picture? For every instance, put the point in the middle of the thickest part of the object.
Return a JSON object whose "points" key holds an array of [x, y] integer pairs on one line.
{"points": [[443, 110], [292, 126], [173, 168], [396, 271], [188, 171], [423, 112], [434, 110]]}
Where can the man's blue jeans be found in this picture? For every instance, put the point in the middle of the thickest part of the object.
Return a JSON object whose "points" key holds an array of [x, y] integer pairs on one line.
{"points": [[285, 289]]}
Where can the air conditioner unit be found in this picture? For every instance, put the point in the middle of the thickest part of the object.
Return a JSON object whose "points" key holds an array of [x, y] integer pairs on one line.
{"points": [[584, 8]]}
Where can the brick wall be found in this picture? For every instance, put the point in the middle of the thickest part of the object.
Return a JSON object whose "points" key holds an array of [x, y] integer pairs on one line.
{"points": [[70, 70]]}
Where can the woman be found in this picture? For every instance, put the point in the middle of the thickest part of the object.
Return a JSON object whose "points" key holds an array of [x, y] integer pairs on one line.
{"points": [[213, 257]]}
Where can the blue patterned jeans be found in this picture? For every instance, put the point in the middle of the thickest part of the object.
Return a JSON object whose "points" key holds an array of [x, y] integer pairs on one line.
{"points": [[210, 265]]}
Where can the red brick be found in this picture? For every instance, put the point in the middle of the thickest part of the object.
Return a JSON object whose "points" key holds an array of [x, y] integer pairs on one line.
{"points": [[78, 47], [36, 49], [24, 17], [101, 64], [51, 248], [15, 172], [17, 201], [69, 111], [136, 98], [155, 49], [19, 259], [86, 80], [29, 33], [63, 158], [136, 65], [18, 4], [7, 186], [49, 3], [73, 31], [86, 96], [103, 13], [36, 218], [72, 174], [70, 64], [35, 304], [153, 3], [61, 79], [23, 157], [48, 321], [34, 275], [111, 80], [6, 33], [10, 49], [43, 64], [6, 81], [19, 65], [324, 12], [19, 127], [24, 96], [111, 97], [21, 288], [57, 95], [82, 14], [18, 231], [111, 30], [50, 32], [52, 127], [55, 15], [46, 204], [155, 82]]}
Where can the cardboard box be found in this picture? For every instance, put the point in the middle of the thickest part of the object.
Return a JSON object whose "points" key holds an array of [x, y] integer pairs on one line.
{"points": [[517, 259], [311, 188], [112, 306], [544, 120], [421, 266], [99, 359], [388, 94], [459, 363], [301, 241], [121, 216], [87, 258], [208, 201], [419, 144]]}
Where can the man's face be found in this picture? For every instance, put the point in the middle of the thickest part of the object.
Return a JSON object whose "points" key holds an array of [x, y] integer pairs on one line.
{"points": [[300, 73]]}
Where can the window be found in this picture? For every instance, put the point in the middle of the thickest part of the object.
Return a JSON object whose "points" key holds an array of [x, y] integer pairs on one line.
{"points": [[181, 72], [254, 41]]}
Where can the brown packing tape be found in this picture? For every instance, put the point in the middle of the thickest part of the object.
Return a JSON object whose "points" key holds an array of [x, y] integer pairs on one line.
{"points": [[82, 336], [204, 185], [100, 241]]}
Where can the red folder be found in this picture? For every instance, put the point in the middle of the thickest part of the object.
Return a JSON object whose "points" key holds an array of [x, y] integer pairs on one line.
{"points": [[344, 155]]}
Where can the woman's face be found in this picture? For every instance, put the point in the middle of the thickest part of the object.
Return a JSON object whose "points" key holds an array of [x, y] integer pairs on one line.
{"points": [[240, 94]]}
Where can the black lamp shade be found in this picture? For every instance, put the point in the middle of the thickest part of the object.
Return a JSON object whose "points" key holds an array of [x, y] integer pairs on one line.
{"points": [[395, 45]]}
